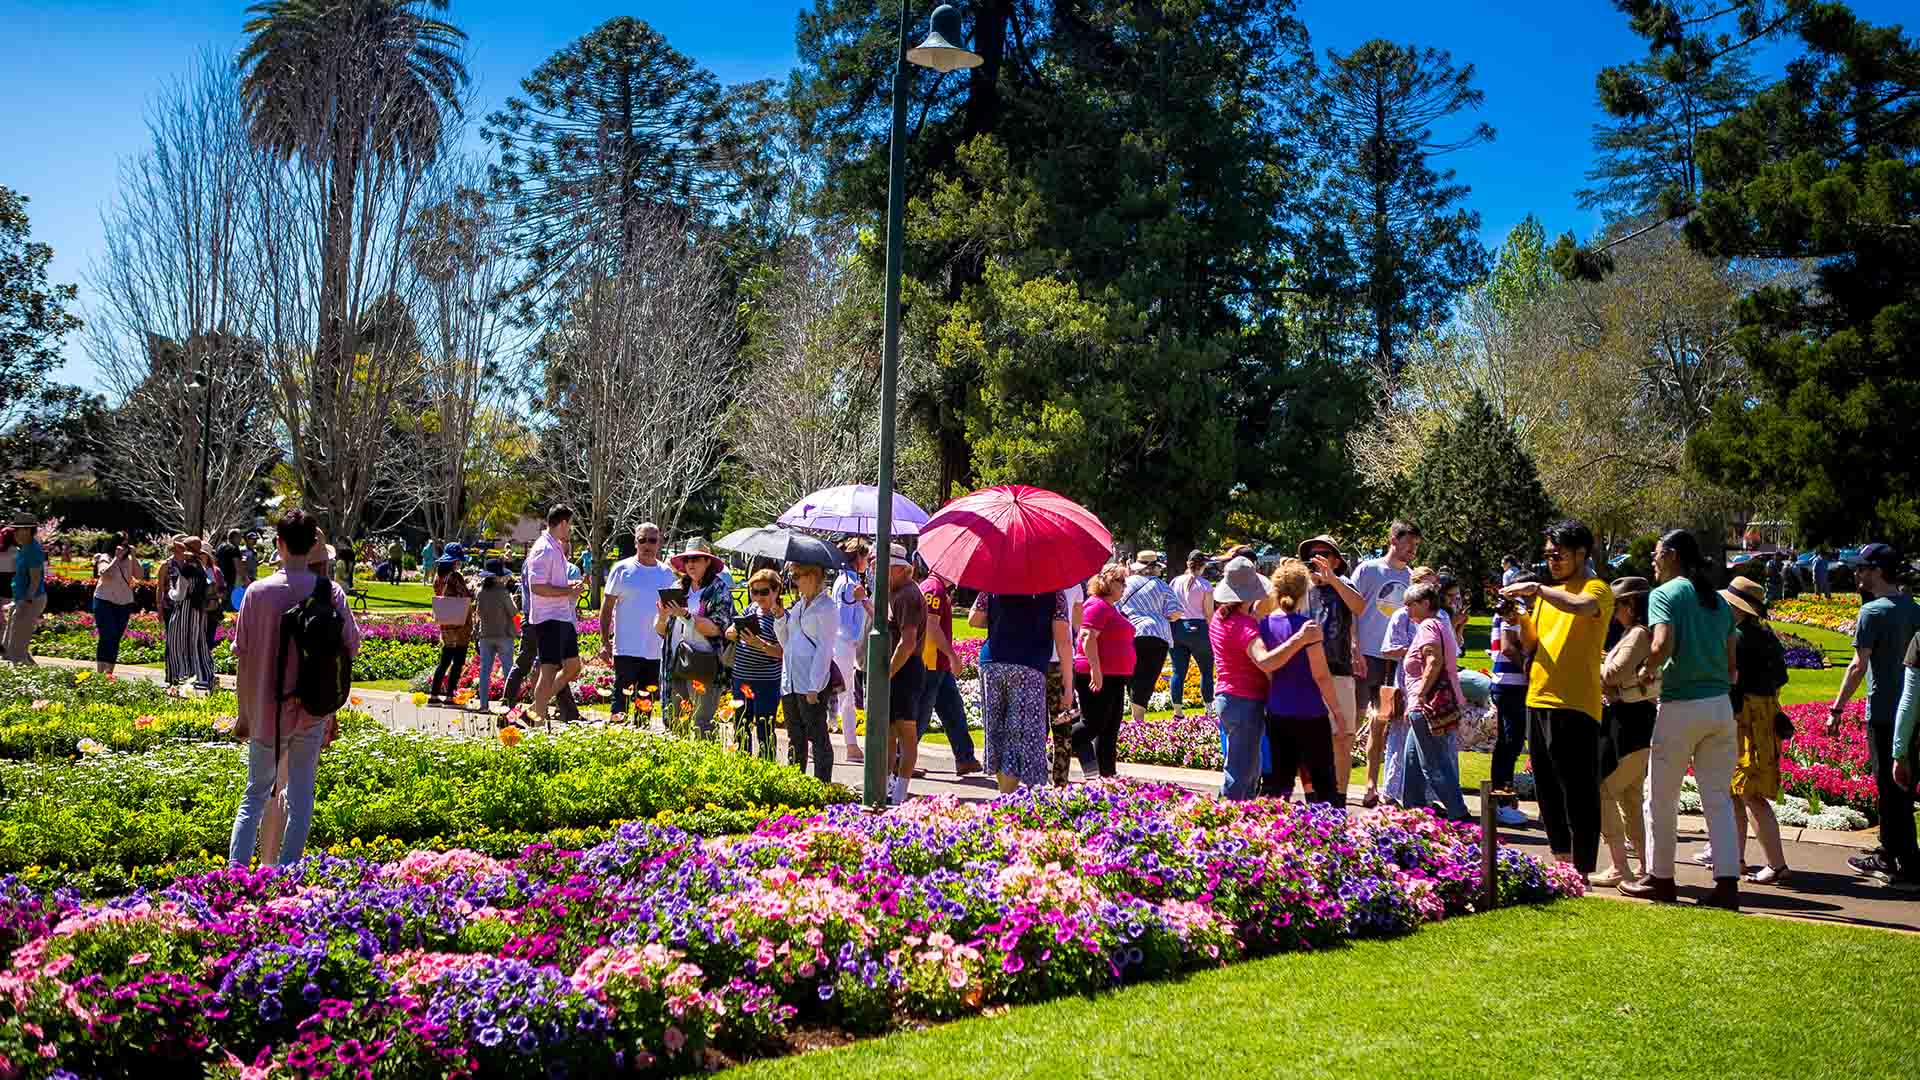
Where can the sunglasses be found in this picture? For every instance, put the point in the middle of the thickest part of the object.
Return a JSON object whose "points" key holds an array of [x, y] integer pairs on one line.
{"points": [[763, 592]]}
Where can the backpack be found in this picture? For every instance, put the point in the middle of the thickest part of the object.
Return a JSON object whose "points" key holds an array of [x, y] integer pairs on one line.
{"points": [[317, 632]]}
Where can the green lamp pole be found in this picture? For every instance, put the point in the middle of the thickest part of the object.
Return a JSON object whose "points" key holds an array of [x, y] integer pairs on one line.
{"points": [[940, 53]]}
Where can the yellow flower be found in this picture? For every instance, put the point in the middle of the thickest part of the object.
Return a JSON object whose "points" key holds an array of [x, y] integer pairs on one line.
{"points": [[419, 699], [83, 676], [88, 746], [509, 736]]}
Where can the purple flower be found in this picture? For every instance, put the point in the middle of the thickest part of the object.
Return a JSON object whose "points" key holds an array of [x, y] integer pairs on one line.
{"points": [[491, 1036]]}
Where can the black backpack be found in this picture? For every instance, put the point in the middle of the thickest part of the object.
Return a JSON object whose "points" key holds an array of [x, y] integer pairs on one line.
{"points": [[315, 631], [196, 586]]}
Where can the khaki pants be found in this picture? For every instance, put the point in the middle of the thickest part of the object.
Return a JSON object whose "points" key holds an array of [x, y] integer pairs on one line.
{"points": [[20, 627], [1622, 807]]}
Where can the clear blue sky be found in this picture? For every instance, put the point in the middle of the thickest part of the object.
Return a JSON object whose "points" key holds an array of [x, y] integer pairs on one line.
{"points": [[79, 75]]}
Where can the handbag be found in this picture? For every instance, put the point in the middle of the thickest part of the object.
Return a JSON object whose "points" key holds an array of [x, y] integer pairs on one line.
{"points": [[1441, 707], [694, 665]]}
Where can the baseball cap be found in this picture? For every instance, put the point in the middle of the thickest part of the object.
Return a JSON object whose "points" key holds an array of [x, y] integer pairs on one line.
{"points": [[1881, 557]]}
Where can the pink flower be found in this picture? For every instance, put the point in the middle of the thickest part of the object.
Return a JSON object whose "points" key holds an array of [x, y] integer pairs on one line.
{"points": [[675, 1039], [139, 958]]}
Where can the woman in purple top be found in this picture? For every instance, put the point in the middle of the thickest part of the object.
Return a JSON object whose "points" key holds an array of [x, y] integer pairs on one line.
{"points": [[1302, 701]]}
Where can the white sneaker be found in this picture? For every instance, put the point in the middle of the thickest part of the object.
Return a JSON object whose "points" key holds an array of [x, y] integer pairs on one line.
{"points": [[1702, 856], [1512, 817], [1607, 879]]}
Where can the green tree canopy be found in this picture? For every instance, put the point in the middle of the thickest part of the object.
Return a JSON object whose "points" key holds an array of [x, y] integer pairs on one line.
{"points": [[33, 311], [1476, 495]]}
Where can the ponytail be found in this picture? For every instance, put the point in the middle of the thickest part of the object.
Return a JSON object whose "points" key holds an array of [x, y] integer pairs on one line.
{"points": [[1693, 567]]}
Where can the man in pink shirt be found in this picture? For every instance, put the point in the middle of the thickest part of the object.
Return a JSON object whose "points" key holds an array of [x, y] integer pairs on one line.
{"points": [[553, 596], [256, 642]]}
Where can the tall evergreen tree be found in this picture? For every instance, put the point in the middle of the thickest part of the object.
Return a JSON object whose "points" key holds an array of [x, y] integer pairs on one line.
{"points": [[33, 311], [1476, 495], [617, 125], [1824, 165], [1413, 241], [1646, 153]]}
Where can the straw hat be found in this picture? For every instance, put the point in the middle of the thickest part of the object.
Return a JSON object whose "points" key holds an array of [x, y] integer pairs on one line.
{"points": [[1747, 595], [1240, 584], [694, 545], [1148, 560], [24, 521]]}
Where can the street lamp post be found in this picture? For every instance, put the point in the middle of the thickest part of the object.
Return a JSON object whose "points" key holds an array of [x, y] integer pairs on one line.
{"points": [[940, 53]]}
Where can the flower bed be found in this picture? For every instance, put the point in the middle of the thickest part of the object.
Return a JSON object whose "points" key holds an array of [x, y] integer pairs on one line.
{"points": [[1826, 768], [657, 952], [1827, 614], [1802, 654], [120, 813], [51, 713]]}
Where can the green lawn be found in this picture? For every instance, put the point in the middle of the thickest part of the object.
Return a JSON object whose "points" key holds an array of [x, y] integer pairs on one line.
{"points": [[1594, 988]]}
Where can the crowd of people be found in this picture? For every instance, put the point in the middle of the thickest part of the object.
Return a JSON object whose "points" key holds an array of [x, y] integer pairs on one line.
{"points": [[1618, 690]]}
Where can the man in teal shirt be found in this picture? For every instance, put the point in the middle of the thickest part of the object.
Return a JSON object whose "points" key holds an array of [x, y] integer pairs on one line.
{"points": [[1881, 636], [29, 589]]}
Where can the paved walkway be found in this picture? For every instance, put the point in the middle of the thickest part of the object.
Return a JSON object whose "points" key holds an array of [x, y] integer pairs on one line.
{"points": [[1823, 887]]}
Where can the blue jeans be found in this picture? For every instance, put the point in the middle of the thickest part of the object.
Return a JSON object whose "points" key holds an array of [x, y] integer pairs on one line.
{"points": [[501, 647], [1243, 727], [110, 621], [302, 753], [1429, 770], [1266, 750], [1510, 705], [759, 712], [941, 691], [1190, 643]]}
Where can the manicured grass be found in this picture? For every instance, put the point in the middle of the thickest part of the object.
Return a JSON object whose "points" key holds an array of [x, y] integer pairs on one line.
{"points": [[406, 596], [1592, 988]]}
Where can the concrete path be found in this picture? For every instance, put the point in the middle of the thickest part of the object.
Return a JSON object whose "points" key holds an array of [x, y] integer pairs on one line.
{"points": [[1822, 888]]}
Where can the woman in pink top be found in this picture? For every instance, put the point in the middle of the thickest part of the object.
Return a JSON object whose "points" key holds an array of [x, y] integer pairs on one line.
{"points": [[1102, 662], [1433, 660], [1242, 661]]}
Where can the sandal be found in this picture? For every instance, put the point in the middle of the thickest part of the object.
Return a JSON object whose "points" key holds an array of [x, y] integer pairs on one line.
{"points": [[1771, 875], [1371, 800]]}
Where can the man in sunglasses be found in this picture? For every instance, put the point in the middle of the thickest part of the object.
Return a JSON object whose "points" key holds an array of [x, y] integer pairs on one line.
{"points": [[1567, 633], [628, 639]]}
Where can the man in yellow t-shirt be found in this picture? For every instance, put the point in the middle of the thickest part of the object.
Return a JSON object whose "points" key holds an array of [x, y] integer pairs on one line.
{"points": [[1567, 633]]}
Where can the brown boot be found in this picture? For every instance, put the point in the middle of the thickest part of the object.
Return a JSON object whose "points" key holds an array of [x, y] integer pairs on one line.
{"points": [[1726, 894], [1657, 889]]}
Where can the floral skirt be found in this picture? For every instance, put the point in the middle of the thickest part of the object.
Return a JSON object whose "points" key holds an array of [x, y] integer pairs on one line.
{"points": [[1758, 770], [1013, 708]]}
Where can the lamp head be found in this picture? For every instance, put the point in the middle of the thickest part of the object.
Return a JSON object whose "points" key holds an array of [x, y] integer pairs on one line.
{"points": [[938, 51]]}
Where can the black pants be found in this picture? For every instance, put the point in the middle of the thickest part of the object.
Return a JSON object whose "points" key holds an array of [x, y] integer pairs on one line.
{"points": [[807, 730], [453, 661], [1096, 735], [633, 673], [1895, 804], [1566, 770], [1297, 740], [1149, 656], [1510, 706], [523, 661]]}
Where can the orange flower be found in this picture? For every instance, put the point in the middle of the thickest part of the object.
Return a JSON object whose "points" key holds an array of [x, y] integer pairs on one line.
{"points": [[509, 736], [699, 687], [746, 691]]}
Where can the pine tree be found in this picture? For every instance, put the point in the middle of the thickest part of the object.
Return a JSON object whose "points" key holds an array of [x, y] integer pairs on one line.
{"points": [[1415, 244], [1476, 496]]}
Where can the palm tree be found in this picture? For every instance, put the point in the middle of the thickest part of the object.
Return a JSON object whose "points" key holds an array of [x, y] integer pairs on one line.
{"points": [[346, 85]]}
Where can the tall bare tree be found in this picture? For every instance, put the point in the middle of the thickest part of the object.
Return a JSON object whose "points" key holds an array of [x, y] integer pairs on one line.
{"points": [[638, 378], [175, 292], [455, 248], [353, 101]]}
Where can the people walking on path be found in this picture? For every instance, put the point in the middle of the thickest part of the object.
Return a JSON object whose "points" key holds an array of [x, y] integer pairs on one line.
{"points": [[629, 609], [1335, 604], [940, 693], [1151, 605], [1566, 631], [1630, 693], [182, 597], [273, 715], [1382, 584], [1694, 727], [497, 609], [694, 634], [116, 573], [808, 633], [1760, 672], [1882, 634], [1305, 701], [1014, 660], [455, 637], [851, 592], [555, 597], [907, 619], [1190, 633], [29, 589]]}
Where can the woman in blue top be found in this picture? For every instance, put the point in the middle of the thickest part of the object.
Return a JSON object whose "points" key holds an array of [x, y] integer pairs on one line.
{"points": [[1692, 651], [1023, 634], [756, 663], [1303, 704]]}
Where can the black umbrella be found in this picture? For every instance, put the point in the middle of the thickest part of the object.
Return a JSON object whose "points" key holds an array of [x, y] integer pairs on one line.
{"points": [[783, 545]]}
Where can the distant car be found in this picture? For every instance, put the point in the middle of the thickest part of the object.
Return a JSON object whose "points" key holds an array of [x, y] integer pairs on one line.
{"points": [[1741, 558]]}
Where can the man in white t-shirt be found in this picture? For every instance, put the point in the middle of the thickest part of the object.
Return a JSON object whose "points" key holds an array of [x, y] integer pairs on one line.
{"points": [[628, 639], [553, 592]]}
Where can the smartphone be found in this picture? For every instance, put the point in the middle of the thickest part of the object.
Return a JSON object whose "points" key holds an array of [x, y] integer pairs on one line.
{"points": [[673, 597], [747, 624]]}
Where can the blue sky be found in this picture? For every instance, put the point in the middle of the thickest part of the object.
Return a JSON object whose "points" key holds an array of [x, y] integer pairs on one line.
{"points": [[80, 74]]}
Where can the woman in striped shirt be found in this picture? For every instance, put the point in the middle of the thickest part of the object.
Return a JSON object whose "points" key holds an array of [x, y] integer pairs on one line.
{"points": [[757, 660]]}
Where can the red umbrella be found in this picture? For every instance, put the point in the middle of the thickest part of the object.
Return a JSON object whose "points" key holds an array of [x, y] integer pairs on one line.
{"points": [[1016, 540]]}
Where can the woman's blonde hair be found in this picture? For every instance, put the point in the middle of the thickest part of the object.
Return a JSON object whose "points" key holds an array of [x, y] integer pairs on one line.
{"points": [[769, 577], [1423, 573], [1289, 584], [1110, 579]]}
